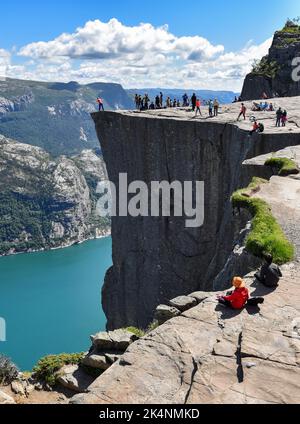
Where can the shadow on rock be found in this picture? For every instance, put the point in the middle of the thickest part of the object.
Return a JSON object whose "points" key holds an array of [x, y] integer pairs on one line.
{"points": [[260, 290]]}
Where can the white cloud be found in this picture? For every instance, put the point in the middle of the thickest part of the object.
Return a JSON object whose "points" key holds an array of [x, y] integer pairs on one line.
{"points": [[138, 56], [4, 62]]}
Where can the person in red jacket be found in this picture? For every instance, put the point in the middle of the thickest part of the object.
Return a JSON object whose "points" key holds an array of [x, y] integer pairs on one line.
{"points": [[239, 298]]}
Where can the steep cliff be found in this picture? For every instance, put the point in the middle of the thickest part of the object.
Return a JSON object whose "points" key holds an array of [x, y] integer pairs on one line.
{"points": [[158, 258], [273, 74], [46, 202]]}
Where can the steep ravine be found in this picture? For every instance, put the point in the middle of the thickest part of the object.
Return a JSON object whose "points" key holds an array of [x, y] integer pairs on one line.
{"points": [[156, 259]]}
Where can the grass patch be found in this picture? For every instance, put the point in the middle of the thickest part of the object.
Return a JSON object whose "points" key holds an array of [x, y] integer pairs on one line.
{"points": [[284, 166], [136, 331], [266, 235], [47, 368], [153, 326]]}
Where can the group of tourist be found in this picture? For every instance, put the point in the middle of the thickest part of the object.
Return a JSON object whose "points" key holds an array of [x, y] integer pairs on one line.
{"points": [[269, 276], [144, 103], [281, 117], [262, 107]]}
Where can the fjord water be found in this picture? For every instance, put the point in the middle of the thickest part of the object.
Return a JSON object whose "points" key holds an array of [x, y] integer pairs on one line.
{"points": [[51, 300]]}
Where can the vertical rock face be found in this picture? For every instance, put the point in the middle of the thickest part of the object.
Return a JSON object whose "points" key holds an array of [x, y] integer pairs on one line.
{"points": [[274, 75], [157, 258]]}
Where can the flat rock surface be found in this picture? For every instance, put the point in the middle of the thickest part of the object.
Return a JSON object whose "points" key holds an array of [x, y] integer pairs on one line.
{"points": [[211, 354], [229, 113]]}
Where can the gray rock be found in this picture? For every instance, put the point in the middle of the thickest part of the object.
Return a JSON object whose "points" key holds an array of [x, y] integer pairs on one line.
{"points": [[98, 361], [200, 296], [164, 313], [113, 357], [183, 303], [74, 378], [284, 49], [18, 387], [6, 399], [192, 359], [117, 340]]}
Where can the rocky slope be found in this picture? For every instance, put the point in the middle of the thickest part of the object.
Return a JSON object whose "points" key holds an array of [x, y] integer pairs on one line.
{"points": [[211, 355], [55, 116], [208, 354], [273, 75], [156, 259], [45, 202]]}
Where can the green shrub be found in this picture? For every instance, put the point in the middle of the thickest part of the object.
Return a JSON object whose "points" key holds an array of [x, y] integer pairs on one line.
{"points": [[47, 368], [8, 370], [265, 68], [284, 166], [266, 235], [153, 326], [136, 331]]}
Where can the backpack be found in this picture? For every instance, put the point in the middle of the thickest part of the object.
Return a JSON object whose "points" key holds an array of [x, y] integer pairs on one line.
{"points": [[261, 128]]}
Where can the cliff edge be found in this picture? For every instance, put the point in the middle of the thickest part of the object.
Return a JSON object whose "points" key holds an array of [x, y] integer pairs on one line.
{"points": [[157, 258]]}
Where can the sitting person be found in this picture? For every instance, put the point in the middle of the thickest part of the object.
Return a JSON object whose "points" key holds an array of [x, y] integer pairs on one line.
{"points": [[270, 273], [239, 298], [255, 128]]}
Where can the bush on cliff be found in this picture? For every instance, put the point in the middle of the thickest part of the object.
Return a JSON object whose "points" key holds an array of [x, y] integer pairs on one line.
{"points": [[8, 370], [284, 166], [48, 367], [266, 235], [265, 68]]}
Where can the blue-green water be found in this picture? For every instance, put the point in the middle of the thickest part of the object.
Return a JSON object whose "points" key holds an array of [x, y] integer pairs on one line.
{"points": [[51, 300]]}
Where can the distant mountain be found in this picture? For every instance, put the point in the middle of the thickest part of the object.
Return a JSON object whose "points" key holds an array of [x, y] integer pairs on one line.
{"points": [[47, 203], [55, 116], [222, 96]]}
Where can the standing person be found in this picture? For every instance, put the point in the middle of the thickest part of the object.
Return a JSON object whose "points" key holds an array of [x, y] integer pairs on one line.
{"points": [[284, 118], [161, 99], [157, 102], [278, 117], [242, 112], [146, 101], [194, 100], [174, 103], [216, 107], [210, 108], [198, 107], [100, 103]]}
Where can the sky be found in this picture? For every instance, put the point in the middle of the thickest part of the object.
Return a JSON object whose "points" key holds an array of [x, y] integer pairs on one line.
{"points": [[159, 43]]}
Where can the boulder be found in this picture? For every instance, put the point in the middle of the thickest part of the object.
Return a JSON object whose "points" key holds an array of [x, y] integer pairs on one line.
{"points": [[6, 399], [18, 387], [164, 313], [113, 357], [183, 303], [200, 296], [98, 361], [75, 378], [117, 340]]}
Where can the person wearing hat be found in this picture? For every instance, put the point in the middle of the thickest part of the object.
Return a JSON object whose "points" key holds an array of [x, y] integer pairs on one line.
{"points": [[239, 298]]}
